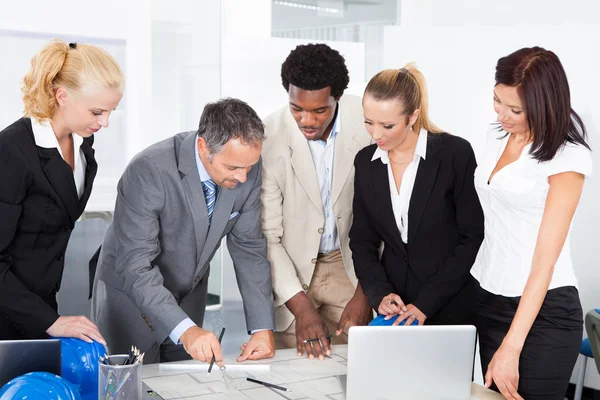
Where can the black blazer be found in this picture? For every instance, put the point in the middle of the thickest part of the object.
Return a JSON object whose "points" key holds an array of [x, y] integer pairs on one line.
{"points": [[38, 210], [445, 230]]}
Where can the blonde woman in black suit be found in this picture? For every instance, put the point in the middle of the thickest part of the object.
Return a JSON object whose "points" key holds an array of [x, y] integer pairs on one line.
{"points": [[414, 192], [47, 168]]}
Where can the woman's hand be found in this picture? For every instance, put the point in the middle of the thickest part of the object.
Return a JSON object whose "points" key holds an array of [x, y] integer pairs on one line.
{"points": [[77, 327], [503, 370], [411, 314], [391, 305]]}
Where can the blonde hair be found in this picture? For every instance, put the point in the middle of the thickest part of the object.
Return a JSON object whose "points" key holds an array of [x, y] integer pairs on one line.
{"points": [[71, 67], [407, 85]]}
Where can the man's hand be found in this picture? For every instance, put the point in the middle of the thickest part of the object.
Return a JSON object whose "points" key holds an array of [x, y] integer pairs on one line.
{"points": [[201, 345], [357, 312], [77, 327], [261, 345], [309, 325]]}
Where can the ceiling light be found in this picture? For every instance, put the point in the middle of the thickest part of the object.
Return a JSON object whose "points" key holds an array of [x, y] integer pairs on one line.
{"points": [[307, 6]]}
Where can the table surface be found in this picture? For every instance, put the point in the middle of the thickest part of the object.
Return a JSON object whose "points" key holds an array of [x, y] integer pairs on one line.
{"points": [[307, 379]]}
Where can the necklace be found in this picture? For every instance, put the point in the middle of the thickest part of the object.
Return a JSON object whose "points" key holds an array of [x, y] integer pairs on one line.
{"points": [[401, 162]]}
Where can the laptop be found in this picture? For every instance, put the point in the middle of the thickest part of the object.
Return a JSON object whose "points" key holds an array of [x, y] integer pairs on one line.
{"points": [[417, 362], [18, 357]]}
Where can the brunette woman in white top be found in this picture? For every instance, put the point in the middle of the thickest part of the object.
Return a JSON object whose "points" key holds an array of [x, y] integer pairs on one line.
{"points": [[529, 182]]}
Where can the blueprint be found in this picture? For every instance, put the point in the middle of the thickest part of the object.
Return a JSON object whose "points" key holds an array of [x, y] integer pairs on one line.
{"points": [[304, 379]]}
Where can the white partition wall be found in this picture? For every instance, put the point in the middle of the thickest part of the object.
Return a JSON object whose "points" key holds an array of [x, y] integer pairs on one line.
{"points": [[459, 64]]}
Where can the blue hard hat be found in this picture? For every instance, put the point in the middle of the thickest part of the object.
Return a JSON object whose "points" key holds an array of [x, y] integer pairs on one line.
{"points": [[39, 386], [80, 365], [381, 321]]}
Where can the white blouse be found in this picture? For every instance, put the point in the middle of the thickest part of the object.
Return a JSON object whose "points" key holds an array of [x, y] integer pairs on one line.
{"points": [[513, 205], [44, 137], [401, 199]]}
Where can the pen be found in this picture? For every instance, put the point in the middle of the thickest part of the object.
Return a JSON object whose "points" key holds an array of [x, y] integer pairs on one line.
{"points": [[268, 384], [315, 339], [212, 362]]}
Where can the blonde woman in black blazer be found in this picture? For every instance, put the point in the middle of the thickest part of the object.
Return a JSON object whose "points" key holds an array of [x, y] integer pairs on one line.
{"points": [[414, 192], [47, 168]]}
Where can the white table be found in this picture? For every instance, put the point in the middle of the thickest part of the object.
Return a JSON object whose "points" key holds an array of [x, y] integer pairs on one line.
{"points": [[307, 379]]}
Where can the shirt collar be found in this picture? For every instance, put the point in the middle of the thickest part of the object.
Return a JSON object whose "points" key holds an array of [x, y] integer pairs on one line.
{"points": [[44, 136], [201, 170], [420, 149], [337, 124]]}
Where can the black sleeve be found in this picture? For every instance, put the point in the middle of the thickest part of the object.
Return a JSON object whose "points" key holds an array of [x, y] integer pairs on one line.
{"points": [[365, 242], [454, 272], [25, 309]]}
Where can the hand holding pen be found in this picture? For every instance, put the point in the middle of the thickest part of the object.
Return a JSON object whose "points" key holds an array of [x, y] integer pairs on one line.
{"points": [[202, 345], [391, 305], [312, 335]]}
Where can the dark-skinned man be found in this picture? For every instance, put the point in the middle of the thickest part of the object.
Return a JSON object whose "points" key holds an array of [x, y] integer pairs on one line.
{"points": [[308, 186]]}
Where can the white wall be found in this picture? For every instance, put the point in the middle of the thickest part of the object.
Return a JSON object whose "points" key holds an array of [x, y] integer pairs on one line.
{"points": [[505, 12], [459, 64]]}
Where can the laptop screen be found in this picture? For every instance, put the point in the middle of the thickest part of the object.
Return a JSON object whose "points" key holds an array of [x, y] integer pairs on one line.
{"points": [[18, 357]]}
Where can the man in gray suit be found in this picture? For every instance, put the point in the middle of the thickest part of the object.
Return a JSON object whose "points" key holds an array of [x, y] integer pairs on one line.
{"points": [[175, 202]]}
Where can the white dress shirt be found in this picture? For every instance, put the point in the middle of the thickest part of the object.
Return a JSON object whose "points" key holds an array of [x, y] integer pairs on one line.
{"points": [[513, 205], [401, 199], [44, 137], [323, 153]]}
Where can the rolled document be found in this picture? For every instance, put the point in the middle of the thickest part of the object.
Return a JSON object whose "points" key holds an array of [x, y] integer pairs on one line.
{"points": [[193, 367]]}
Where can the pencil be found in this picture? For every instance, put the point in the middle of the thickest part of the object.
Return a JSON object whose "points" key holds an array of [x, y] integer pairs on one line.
{"points": [[268, 384], [212, 362], [315, 339]]}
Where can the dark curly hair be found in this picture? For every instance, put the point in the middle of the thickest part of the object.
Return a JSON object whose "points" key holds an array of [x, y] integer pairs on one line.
{"points": [[313, 67]]}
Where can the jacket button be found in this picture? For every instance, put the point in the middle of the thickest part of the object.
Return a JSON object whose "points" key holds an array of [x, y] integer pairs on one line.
{"points": [[314, 261], [197, 278], [321, 230], [60, 256], [405, 259], [68, 229], [305, 286]]}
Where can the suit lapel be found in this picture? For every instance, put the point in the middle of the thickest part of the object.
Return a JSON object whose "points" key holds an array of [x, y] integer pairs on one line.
{"points": [[192, 186], [302, 163], [346, 148], [60, 176], [90, 171], [383, 201], [424, 181], [220, 217]]}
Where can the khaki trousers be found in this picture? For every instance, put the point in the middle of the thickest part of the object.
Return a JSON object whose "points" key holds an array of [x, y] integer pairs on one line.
{"points": [[330, 290]]}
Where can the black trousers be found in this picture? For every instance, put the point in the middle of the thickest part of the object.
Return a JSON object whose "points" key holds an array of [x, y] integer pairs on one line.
{"points": [[551, 348]]}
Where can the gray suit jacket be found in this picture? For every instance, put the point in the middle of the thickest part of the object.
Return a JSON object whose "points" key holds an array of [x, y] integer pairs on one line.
{"points": [[154, 263]]}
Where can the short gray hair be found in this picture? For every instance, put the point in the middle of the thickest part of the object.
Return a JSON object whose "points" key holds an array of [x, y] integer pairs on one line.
{"points": [[229, 119]]}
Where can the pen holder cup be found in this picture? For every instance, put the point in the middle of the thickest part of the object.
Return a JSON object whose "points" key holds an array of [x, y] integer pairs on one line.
{"points": [[119, 382]]}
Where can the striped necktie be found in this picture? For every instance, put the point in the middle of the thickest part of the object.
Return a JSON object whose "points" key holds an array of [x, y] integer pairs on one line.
{"points": [[210, 193]]}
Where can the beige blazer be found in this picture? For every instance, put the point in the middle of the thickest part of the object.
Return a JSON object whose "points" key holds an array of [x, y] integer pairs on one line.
{"points": [[292, 209]]}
